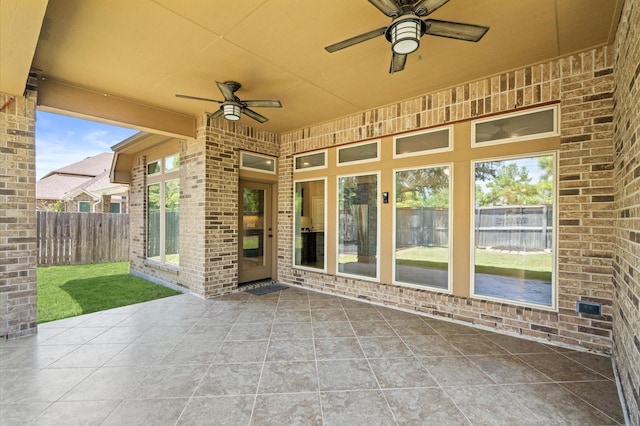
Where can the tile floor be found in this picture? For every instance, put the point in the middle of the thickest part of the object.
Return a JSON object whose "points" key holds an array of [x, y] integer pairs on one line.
{"points": [[292, 358]]}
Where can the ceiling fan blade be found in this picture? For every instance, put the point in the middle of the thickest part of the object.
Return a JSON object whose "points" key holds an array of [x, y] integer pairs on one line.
{"points": [[254, 115], [197, 98], [397, 62], [355, 40], [388, 7], [263, 104], [226, 91], [457, 30], [427, 7], [217, 114]]}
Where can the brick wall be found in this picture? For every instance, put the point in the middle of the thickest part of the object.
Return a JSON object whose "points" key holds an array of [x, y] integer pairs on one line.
{"points": [[209, 174], [583, 84], [626, 235], [18, 295]]}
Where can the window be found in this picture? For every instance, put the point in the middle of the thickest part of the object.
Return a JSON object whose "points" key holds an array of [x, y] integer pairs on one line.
{"points": [[359, 153], [513, 254], [520, 126], [257, 162], [84, 206], [358, 225], [313, 161], [422, 218], [163, 211], [429, 142], [309, 238], [114, 208]]}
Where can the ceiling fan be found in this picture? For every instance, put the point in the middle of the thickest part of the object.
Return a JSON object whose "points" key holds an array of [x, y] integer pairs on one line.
{"points": [[233, 106], [407, 26]]}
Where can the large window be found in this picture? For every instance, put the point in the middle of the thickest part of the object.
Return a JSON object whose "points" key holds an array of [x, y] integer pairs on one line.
{"points": [[422, 226], [309, 250], [358, 225], [513, 235], [163, 210]]}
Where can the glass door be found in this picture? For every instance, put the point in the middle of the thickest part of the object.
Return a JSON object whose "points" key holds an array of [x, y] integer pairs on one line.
{"points": [[256, 232]]}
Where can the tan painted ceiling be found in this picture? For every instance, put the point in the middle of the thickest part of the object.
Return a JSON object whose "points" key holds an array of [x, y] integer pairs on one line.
{"points": [[146, 51]]}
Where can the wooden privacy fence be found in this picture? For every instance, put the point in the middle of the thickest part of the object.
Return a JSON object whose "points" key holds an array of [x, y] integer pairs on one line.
{"points": [[505, 227], [81, 238]]}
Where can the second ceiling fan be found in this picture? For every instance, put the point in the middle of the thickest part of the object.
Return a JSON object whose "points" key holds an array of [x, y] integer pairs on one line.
{"points": [[407, 26]]}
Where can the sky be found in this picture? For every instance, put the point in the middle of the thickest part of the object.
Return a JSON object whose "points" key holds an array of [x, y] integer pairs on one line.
{"points": [[63, 140]]}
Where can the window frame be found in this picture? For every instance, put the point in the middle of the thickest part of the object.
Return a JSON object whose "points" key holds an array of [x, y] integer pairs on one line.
{"points": [[376, 278], [160, 178], [306, 169], [83, 202], [534, 136], [448, 148], [255, 169], [325, 188], [449, 289], [378, 143], [553, 307]]}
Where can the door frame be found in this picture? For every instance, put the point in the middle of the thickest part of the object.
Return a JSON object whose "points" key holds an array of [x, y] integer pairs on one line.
{"points": [[270, 243]]}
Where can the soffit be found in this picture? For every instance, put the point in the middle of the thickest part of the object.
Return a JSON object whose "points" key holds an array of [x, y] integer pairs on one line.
{"points": [[147, 51]]}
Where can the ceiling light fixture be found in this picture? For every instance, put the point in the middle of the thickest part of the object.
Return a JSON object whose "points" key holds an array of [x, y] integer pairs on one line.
{"points": [[404, 34], [231, 110]]}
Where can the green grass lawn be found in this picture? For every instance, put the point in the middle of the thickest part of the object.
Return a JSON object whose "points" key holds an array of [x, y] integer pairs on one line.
{"points": [[534, 266], [66, 291]]}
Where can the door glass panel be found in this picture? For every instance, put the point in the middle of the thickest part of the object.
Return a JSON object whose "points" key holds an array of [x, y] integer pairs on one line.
{"points": [[253, 235]]}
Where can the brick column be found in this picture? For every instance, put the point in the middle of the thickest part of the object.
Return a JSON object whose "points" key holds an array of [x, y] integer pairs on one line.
{"points": [[18, 247]]}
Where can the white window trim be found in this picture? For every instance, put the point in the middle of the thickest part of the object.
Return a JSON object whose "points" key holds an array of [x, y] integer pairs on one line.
{"points": [[160, 178], [293, 260], [555, 131], [554, 265], [337, 248], [90, 206], [424, 152], [255, 154], [306, 169], [449, 289], [378, 142]]}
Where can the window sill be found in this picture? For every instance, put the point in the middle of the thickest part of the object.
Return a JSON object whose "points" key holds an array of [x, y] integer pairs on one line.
{"points": [[164, 267]]}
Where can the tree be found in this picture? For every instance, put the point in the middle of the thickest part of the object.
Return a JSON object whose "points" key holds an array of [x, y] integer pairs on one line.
{"points": [[509, 183], [428, 187]]}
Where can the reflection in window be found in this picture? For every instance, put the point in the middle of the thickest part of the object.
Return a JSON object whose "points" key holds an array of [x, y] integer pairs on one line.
{"points": [[425, 142], [309, 224], [172, 221], [358, 225], [514, 127], [422, 226], [153, 221], [316, 160], [513, 226]]}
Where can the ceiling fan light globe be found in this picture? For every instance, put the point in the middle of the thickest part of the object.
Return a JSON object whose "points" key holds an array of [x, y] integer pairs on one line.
{"points": [[231, 111], [405, 35]]}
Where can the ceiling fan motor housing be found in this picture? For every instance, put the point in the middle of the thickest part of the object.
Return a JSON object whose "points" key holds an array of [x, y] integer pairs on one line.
{"points": [[404, 33]]}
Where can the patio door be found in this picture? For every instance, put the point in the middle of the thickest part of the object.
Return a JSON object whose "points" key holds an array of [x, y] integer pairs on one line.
{"points": [[255, 245]]}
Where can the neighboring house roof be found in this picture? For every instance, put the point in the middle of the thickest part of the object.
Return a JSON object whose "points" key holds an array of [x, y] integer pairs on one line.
{"points": [[90, 176], [90, 166], [54, 187]]}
